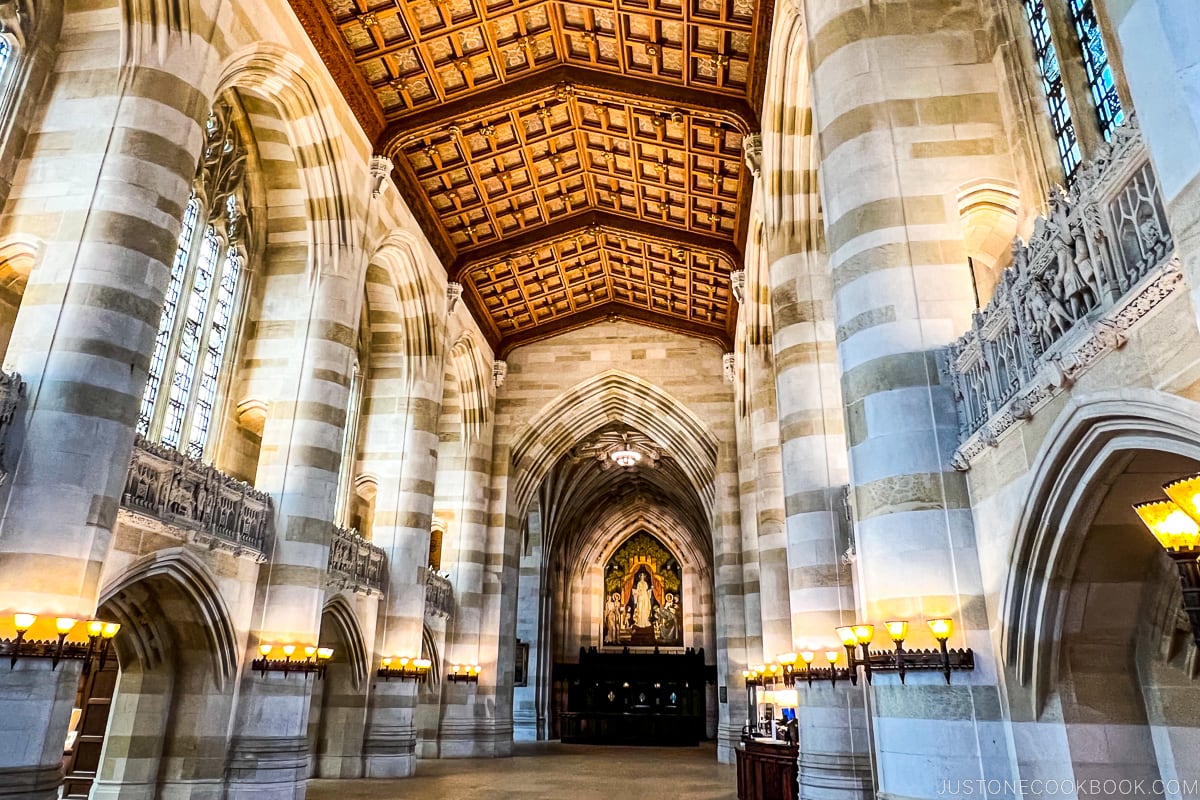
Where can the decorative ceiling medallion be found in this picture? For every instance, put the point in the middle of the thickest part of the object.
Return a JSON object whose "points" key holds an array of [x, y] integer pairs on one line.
{"points": [[619, 448]]}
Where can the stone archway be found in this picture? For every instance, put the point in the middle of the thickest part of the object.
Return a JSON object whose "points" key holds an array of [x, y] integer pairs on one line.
{"points": [[167, 725]]}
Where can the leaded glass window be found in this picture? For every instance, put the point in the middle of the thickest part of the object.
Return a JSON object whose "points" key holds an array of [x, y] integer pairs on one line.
{"points": [[201, 299], [1095, 63], [5, 53], [1050, 71]]}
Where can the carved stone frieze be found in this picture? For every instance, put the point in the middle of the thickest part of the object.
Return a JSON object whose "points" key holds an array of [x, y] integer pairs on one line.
{"points": [[1094, 266], [195, 501], [11, 390], [439, 593], [1086, 345], [355, 563]]}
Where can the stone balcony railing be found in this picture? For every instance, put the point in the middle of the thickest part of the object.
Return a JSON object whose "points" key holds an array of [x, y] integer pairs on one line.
{"points": [[168, 489], [439, 594], [1098, 264], [11, 389], [355, 563]]}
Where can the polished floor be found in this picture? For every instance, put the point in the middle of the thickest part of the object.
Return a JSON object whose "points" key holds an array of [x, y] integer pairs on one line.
{"points": [[552, 771]]}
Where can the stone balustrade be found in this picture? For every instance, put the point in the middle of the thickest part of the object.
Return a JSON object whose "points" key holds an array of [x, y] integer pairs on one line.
{"points": [[164, 486], [11, 389], [439, 594], [355, 563], [1099, 262]]}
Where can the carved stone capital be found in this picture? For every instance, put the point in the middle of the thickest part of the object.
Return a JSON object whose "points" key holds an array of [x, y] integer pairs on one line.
{"points": [[453, 293], [499, 372]]}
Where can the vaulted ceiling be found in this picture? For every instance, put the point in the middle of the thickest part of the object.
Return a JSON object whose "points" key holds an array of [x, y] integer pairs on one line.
{"points": [[570, 161]]}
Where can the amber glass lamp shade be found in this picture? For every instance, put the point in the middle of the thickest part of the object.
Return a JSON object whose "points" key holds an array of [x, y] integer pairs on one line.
{"points": [[23, 622], [110, 629], [1173, 527], [942, 629], [864, 633], [807, 656], [64, 624], [832, 656], [787, 659], [847, 635], [897, 629], [1186, 494]]}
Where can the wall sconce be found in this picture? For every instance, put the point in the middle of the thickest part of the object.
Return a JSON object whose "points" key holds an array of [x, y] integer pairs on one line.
{"points": [[404, 668], [754, 676], [900, 660], [313, 661], [833, 672], [99, 634], [1175, 523], [468, 673]]}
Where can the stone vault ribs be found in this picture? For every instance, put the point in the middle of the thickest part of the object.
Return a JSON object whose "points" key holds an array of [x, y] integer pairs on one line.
{"points": [[568, 160]]}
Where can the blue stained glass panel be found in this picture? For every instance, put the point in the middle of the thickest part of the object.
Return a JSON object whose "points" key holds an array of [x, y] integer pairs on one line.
{"points": [[1095, 62], [1052, 84]]}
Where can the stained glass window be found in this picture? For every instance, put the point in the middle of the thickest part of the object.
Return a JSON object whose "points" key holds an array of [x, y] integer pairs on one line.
{"points": [[1095, 63], [201, 299], [5, 53], [1050, 70]]}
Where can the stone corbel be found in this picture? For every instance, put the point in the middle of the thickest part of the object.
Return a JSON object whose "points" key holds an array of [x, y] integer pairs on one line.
{"points": [[453, 293], [729, 367], [499, 372], [752, 148], [737, 285], [381, 170]]}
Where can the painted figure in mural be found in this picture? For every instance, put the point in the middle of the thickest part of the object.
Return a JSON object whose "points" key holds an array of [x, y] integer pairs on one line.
{"points": [[668, 620], [613, 617], [641, 603]]}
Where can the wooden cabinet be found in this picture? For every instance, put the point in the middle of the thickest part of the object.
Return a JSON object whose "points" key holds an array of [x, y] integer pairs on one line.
{"points": [[767, 771]]}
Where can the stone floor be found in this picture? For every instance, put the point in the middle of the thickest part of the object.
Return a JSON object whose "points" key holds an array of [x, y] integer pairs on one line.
{"points": [[552, 771]]}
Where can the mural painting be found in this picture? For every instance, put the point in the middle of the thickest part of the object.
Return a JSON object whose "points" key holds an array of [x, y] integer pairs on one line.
{"points": [[643, 604]]}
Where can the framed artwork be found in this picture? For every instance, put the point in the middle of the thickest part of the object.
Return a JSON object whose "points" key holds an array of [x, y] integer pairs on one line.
{"points": [[643, 595], [521, 667]]}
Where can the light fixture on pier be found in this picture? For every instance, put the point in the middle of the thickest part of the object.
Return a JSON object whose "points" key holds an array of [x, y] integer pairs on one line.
{"points": [[311, 661], [464, 673], [404, 668], [99, 635]]}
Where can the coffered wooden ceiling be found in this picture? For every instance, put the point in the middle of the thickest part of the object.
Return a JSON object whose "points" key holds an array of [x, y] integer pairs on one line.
{"points": [[570, 161]]}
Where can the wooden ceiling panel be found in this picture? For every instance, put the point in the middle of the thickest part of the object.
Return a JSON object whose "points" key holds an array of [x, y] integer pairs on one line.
{"points": [[569, 160]]}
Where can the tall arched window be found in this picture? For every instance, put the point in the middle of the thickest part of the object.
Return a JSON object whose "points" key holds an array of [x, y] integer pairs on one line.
{"points": [[5, 53], [202, 297], [1077, 34]]}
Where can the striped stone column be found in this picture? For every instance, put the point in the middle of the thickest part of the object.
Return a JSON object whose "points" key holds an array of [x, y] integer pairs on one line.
{"points": [[835, 760], [769, 504], [900, 129], [471, 713], [103, 183], [299, 466], [729, 591], [403, 403]]}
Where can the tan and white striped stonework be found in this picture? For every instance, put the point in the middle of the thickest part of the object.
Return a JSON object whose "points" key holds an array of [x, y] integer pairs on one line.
{"points": [[899, 129], [102, 183]]}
